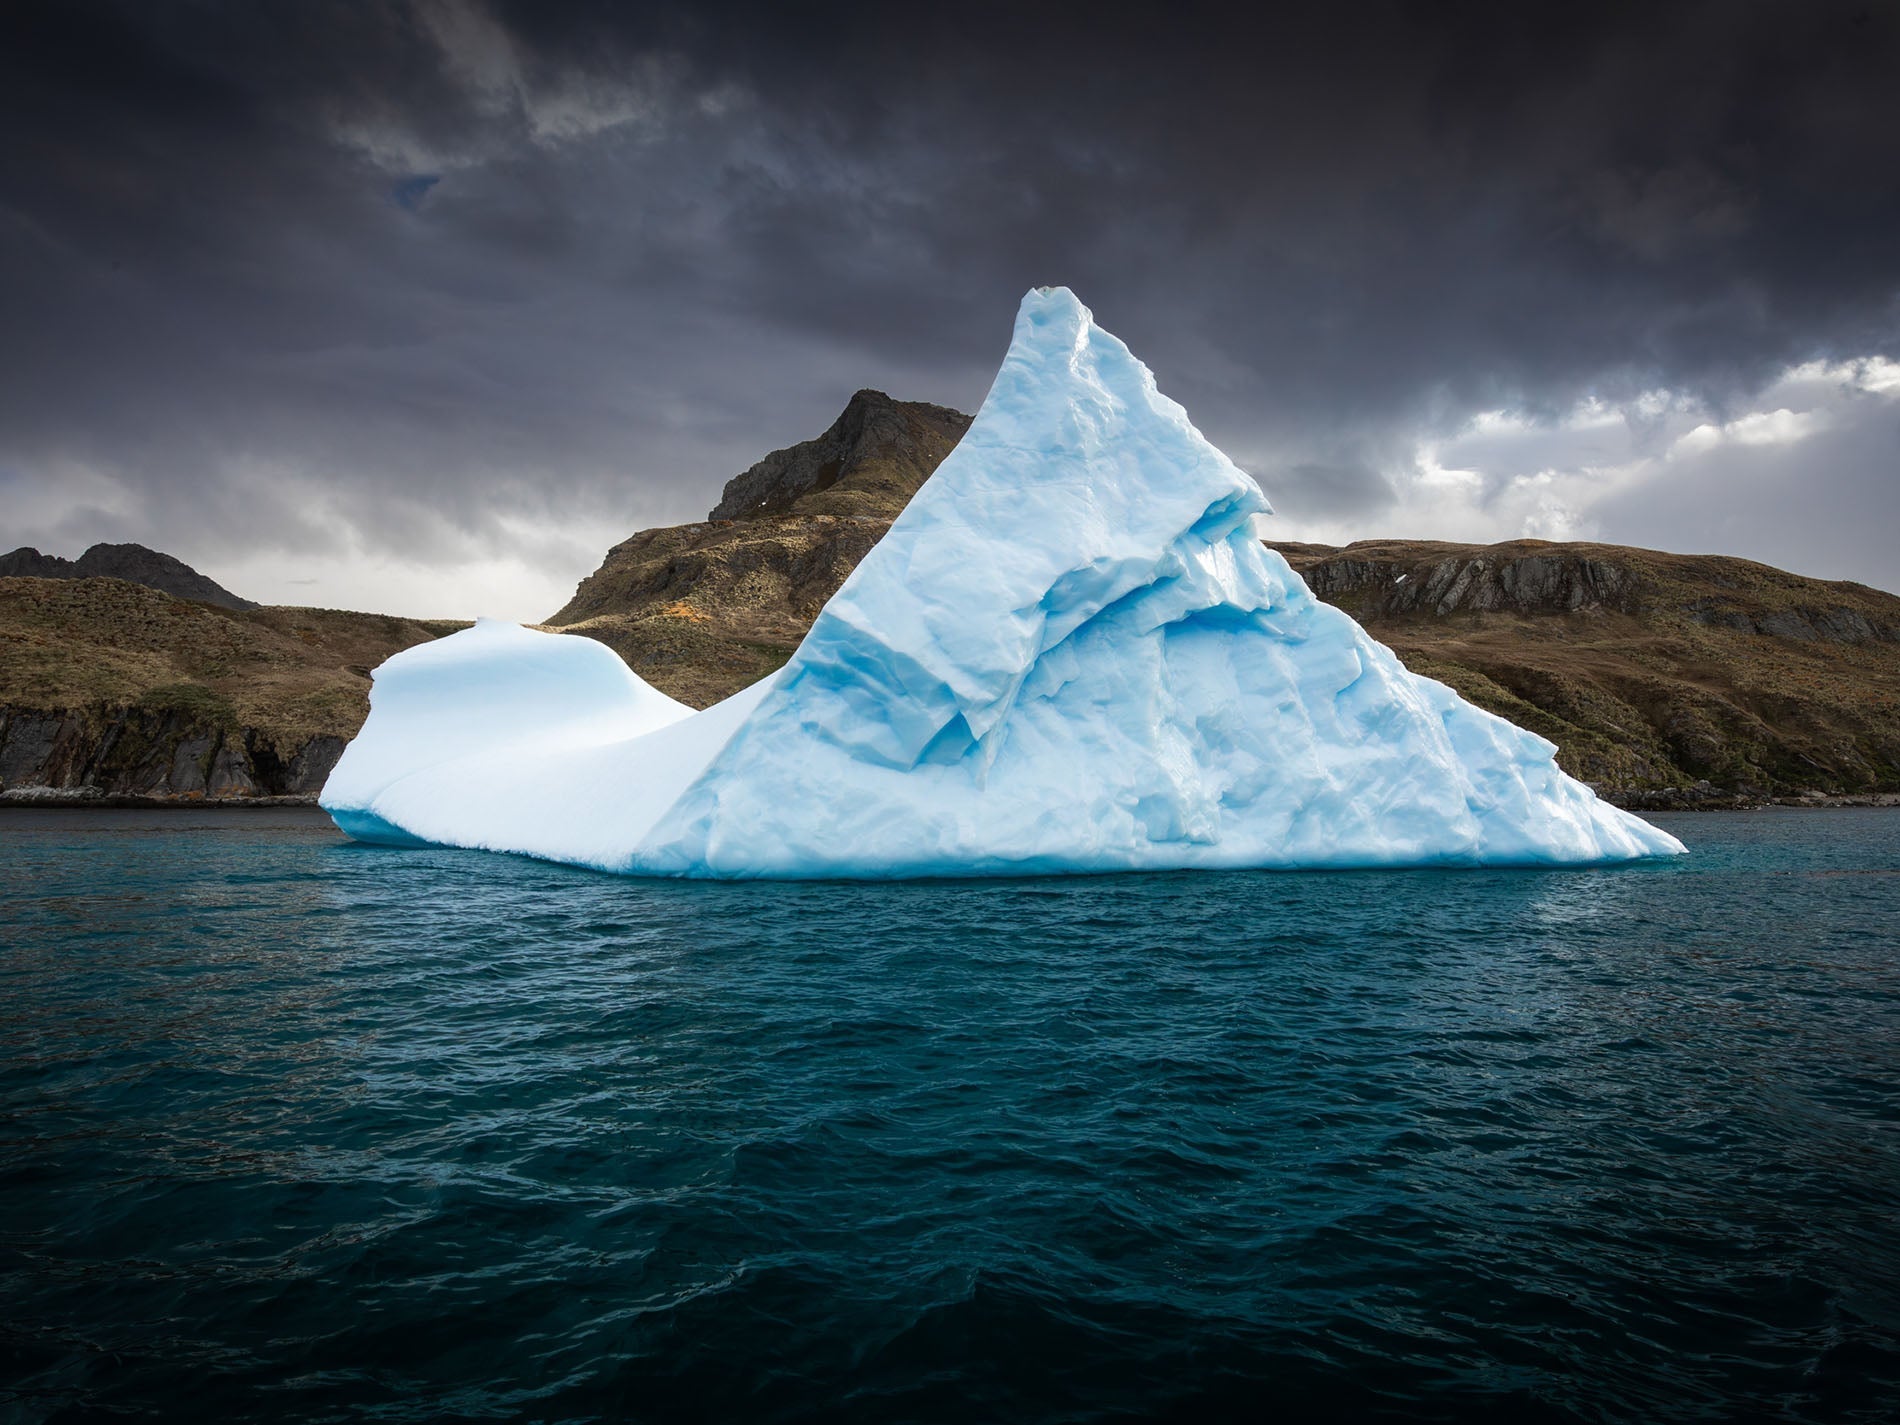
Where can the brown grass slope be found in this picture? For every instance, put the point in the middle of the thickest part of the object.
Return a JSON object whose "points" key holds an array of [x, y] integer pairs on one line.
{"points": [[121, 689], [702, 610], [1659, 676], [1648, 670], [1653, 673]]}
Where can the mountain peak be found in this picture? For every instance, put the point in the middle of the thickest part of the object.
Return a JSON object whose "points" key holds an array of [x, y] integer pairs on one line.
{"points": [[870, 461], [133, 563]]}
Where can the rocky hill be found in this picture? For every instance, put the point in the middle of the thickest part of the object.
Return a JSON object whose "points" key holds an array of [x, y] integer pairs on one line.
{"points": [[1665, 679], [132, 562], [1652, 672], [112, 688], [701, 610], [870, 462]]}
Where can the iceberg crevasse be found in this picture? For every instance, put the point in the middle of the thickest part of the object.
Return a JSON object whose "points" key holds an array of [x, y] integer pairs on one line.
{"points": [[1071, 652]]}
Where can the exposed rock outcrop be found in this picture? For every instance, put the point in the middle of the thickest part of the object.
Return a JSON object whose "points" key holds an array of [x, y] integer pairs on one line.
{"points": [[1396, 579], [1653, 672], [1391, 581], [155, 752], [109, 688], [870, 462], [702, 610], [132, 562]]}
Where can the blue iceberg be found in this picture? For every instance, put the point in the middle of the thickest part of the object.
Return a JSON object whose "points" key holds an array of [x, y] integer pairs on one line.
{"points": [[1070, 653]]}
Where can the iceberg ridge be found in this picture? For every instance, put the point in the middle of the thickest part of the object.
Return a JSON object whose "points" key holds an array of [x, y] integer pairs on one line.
{"points": [[1070, 652]]}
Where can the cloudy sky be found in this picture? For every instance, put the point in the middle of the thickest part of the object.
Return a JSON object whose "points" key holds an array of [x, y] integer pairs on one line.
{"points": [[420, 306]]}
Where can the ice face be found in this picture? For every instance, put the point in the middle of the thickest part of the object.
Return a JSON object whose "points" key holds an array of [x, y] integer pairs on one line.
{"points": [[1070, 653]]}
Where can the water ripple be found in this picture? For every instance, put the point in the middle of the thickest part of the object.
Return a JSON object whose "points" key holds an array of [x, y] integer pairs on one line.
{"points": [[293, 1129]]}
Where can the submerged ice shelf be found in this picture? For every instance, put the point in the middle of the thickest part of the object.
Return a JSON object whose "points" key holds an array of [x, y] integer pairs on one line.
{"points": [[1071, 652]]}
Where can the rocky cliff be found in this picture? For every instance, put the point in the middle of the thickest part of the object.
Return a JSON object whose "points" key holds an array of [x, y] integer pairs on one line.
{"points": [[701, 610], [110, 688], [132, 562], [1701, 675], [870, 462]]}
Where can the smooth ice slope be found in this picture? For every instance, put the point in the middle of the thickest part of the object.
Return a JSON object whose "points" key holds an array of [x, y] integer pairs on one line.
{"points": [[1070, 653]]}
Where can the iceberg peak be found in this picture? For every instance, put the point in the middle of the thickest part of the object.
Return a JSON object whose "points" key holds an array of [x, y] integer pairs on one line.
{"points": [[1070, 652], [1077, 485]]}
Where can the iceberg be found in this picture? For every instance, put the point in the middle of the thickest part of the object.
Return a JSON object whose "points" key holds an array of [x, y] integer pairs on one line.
{"points": [[1070, 653]]}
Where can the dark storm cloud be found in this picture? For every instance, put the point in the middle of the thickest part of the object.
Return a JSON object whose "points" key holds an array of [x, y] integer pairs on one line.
{"points": [[1330, 490], [422, 278]]}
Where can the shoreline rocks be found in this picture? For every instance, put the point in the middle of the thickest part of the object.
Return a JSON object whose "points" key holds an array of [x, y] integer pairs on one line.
{"points": [[1702, 796], [89, 798]]}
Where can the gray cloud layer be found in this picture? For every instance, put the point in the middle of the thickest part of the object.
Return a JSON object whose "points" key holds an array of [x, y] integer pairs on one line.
{"points": [[437, 282]]}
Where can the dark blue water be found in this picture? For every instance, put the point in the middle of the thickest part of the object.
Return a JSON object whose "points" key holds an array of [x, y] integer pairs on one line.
{"points": [[295, 1129]]}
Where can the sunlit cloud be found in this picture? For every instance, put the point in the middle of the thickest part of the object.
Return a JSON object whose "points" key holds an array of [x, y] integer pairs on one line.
{"points": [[1586, 471]]}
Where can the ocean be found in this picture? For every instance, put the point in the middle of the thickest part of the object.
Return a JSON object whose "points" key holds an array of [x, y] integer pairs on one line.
{"points": [[296, 1129]]}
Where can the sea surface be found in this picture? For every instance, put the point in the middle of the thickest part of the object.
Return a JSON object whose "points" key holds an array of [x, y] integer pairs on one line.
{"points": [[295, 1129]]}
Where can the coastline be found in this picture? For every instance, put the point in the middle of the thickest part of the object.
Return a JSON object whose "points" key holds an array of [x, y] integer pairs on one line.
{"points": [[1704, 797], [86, 798], [1701, 797]]}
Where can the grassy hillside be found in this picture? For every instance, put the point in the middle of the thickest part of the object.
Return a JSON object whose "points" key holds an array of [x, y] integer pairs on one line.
{"points": [[702, 610], [1664, 678], [123, 689], [1648, 670]]}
